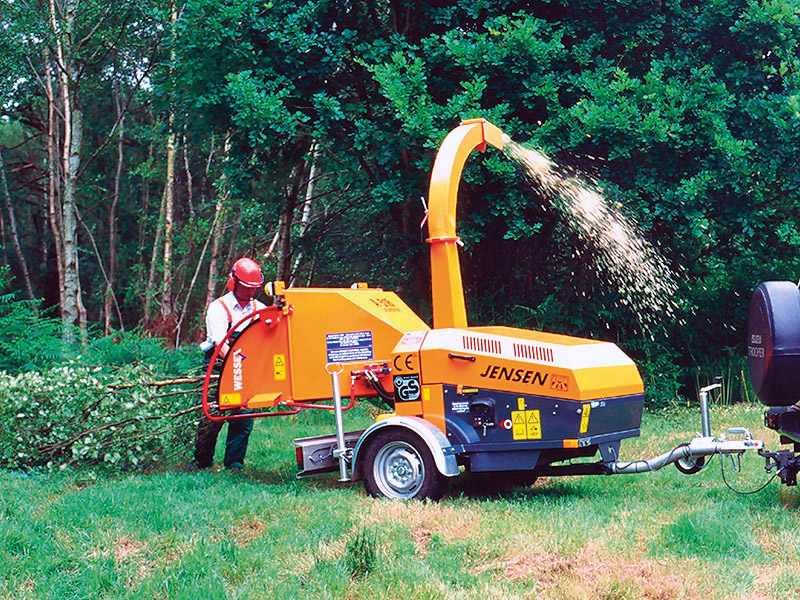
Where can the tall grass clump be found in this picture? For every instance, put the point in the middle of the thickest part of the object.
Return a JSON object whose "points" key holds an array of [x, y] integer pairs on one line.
{"points": [[362, 553]]}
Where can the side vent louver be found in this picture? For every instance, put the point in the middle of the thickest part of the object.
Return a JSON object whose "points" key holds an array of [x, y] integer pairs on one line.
{"points": [[533, 352], [482, 345]]}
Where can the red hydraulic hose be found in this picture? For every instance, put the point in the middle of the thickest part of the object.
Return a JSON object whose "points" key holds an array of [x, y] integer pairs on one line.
{"points": [[210, 369]]}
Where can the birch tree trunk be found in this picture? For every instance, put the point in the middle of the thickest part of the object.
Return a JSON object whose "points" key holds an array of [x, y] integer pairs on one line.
{"points": [[169, 216], [223, 192], [234, 228], [284, 248], [189, 181], [82, 320], [53, 201], [71, 157], [216, 250], [72, 313], [112, 212], [305, 219], [285, 238], [151, 279], [169, 194], [3, 238]]}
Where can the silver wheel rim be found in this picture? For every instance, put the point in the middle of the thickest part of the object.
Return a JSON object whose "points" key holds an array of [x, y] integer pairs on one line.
{"points": [[399, 470]]}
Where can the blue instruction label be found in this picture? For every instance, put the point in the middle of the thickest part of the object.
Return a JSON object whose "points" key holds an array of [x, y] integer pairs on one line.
{"points": [[349, 346]]}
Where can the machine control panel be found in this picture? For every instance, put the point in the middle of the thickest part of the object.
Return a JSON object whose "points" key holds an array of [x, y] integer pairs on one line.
{"points": [[483, 413], [486, 416]]}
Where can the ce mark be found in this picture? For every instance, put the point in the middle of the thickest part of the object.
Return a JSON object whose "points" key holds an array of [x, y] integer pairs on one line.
{"points": [[402, 362]]}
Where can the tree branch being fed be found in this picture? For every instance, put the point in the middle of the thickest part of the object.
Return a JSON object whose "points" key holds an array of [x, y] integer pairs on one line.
{"points": [[166, 382], [55, 447]]}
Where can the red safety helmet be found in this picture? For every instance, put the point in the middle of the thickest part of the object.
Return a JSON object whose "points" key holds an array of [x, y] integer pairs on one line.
{"points": [[245, 279]]}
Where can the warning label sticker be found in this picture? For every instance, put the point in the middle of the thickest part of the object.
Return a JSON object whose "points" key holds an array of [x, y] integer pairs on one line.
{"points": [[534, 426], [526, 425], [587, 408], [349, 346], [230, 400], [279, 364], [518, 430]]}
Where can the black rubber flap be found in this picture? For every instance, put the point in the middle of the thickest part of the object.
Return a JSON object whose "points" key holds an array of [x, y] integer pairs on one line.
{"points": [[773, 343]]}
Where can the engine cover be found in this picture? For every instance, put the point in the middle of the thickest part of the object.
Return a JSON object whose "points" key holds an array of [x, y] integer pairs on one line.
{"points": [[528, 363], [773, 343]]}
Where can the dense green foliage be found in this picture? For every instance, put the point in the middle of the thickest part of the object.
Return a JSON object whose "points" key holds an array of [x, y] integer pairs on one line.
{"points": [[687, 113], [28, 340]]}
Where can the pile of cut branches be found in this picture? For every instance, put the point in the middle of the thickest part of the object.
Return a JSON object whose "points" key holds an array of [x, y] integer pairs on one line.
{"points": [[79, 416]]}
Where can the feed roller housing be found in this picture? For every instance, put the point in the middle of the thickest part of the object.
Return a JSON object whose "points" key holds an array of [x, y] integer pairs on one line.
{"points": [[280, 358]]}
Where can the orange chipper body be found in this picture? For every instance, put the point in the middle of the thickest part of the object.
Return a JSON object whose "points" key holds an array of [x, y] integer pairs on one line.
{"points": [[494, 398]]}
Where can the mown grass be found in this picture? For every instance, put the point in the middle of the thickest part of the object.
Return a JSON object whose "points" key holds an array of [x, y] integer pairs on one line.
{"points": [[264, 534]]}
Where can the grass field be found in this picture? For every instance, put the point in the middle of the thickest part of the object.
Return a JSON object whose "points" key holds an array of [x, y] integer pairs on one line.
{"points": [[264, 534]]}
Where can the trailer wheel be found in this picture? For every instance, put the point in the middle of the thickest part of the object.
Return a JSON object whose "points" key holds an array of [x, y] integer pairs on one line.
{"points": [[398, 464], [689, 466]]}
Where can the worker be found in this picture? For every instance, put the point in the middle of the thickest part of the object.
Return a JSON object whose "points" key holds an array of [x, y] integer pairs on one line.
{"points": [[244, 283]]}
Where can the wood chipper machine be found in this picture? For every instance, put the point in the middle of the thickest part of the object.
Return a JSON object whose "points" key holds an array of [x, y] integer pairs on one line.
{"points": [[499, 400]]}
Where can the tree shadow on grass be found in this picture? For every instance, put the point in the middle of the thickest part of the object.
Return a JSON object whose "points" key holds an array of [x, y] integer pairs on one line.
{"points": [[468, 485], [288, 477], [503, 486]]}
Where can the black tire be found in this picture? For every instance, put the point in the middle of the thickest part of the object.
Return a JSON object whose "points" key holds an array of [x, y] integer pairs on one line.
{"points": [[398, 464], [689, 466]]}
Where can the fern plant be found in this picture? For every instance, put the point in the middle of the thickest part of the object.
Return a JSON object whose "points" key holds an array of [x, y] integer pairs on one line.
{"points": [[28, 339]]}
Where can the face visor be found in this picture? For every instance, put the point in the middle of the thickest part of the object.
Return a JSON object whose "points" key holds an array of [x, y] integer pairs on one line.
{"points": [[245, 293]]}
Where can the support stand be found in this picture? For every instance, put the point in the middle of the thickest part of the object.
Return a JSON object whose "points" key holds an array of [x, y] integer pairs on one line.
{"points": [[341, 451]]}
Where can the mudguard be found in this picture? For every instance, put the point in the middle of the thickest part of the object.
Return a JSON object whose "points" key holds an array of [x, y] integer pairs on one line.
{"points": [[441, 450]]}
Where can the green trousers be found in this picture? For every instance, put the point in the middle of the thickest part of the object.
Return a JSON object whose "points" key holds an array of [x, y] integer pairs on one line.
{"points": [[207, 432], [235, 446]]}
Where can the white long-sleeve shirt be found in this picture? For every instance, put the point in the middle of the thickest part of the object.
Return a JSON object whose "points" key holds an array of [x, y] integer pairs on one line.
{"points": [[217, 318]]}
